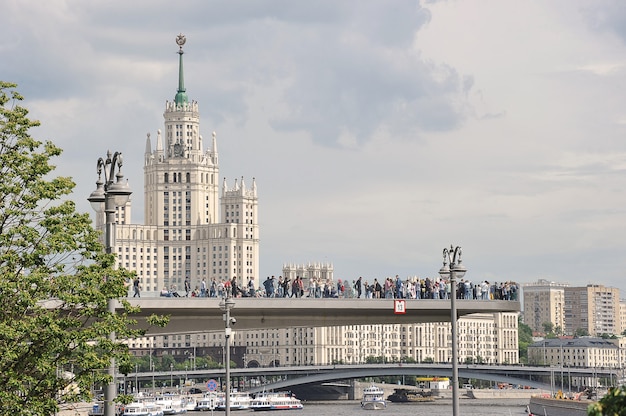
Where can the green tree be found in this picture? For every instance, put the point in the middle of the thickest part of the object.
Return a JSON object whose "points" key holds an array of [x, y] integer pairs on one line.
{"points": [[612, 404], [525, 338], [55, 279], [548, 327], [581, 332]]}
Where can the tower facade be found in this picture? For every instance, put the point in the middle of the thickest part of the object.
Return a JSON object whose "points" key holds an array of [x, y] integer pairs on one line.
{"points": [[184, 240]]}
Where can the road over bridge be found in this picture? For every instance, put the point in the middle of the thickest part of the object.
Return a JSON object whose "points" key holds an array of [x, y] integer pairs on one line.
{"points": [[189, 315]]}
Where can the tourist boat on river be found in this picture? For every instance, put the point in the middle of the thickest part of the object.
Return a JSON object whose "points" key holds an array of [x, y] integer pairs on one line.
{"points": [[239, 400], [142, 409], [275, 401], [171, 404], [208, 402], [373, 398], [189, 403]]}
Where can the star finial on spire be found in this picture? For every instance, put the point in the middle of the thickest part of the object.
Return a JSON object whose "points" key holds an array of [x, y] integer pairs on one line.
{"points": [[180, 40]]}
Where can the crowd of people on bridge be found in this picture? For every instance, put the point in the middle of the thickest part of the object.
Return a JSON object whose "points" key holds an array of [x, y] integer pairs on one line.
{"points": [[388, 288]]}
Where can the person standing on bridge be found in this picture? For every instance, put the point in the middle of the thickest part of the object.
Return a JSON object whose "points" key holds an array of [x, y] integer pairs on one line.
{"points": [[268, 284], [377, 289], [312, 284], [358, 286], [136, 287], [187, 287], [251, 288], [295, 288], [398, 287], [286, 284]]}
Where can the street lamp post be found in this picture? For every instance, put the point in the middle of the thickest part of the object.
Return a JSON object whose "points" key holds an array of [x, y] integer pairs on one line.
{"points": [[456, 270], [107, 196], [226, 305]]}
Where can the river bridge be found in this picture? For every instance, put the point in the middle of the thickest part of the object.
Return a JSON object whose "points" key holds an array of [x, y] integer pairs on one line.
{"points": [[291, 376], [199, 314]]}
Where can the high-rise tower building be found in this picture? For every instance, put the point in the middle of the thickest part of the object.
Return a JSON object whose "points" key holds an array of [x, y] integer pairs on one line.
{"points": [[193, 230], [544, 303], [593, 309]]}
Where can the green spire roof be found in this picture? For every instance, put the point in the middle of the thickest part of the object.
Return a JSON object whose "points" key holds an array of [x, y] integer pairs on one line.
{"points": [[181, 95]]}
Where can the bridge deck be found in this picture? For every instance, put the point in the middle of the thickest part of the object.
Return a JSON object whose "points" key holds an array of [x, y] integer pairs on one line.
{"points": [[203, 314]]}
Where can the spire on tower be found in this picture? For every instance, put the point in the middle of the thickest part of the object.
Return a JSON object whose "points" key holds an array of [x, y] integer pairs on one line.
{"points": [[159, 143], [181, 95], [148, 144]]}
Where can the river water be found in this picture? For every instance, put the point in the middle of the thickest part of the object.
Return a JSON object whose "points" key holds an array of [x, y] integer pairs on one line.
{"points": [[442, 407]]}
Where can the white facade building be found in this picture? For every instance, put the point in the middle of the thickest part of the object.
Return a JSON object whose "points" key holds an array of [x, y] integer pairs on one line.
{"points": [[483, 338]]}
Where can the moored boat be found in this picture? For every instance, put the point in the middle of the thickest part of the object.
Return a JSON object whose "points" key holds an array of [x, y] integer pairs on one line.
{"points": [[275, 401], [410, 396], [373, 398], [238, 401], [189, 403], [142, 409], [207, 402], [171, 404], [546, 405]]}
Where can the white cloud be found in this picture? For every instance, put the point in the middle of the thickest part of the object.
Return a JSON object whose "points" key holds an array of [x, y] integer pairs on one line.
{"points": [[377, 134]]}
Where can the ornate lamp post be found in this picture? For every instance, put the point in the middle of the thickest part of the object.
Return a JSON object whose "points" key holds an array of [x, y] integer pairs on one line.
{"points": [[456, 270], [107, 196], [226, 305]]}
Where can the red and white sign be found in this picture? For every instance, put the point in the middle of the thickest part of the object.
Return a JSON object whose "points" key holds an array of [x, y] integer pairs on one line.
{"points": [[399, 306]]}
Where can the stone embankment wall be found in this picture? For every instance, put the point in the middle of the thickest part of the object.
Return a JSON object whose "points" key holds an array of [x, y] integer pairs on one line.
{"points": [[502, 393]]}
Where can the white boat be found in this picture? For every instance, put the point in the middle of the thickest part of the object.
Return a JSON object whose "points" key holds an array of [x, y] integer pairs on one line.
{"points": [[275, 401], [238, 401], [207, 402], [171, 404], [142, 409], [373, 398], [190, 403]]}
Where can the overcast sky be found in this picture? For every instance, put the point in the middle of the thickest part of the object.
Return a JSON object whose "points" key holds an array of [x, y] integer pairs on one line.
{"points": [[379, 132]]}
